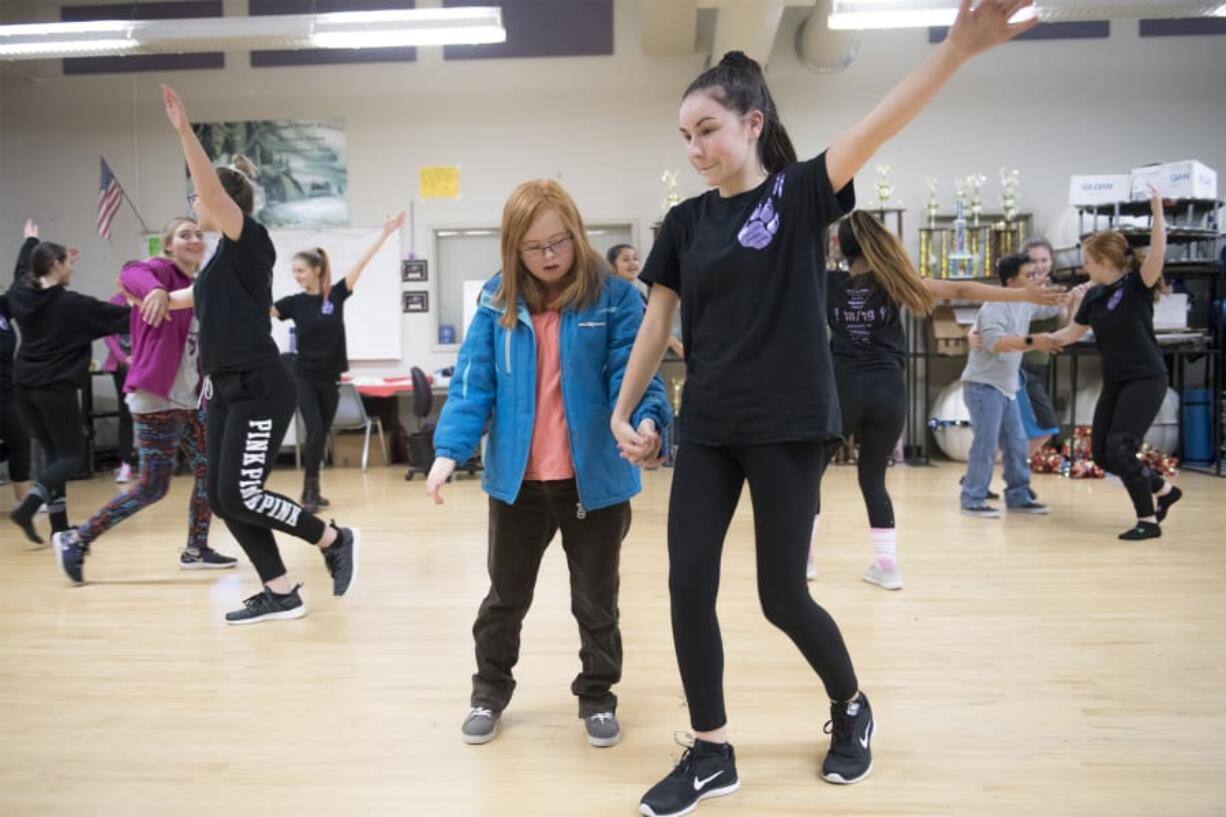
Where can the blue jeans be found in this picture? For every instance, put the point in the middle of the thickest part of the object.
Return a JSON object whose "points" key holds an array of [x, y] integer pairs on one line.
{"points": [[997, 422]]}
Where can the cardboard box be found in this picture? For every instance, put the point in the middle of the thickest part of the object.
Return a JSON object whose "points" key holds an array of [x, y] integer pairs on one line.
{"points": [[1175, 180], [948, 336], [1101, 189], [1171, 312], [347, 449]]}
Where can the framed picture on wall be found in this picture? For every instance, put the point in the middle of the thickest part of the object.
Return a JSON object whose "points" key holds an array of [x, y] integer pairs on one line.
{"points": [[414, 269], [416, 302]]}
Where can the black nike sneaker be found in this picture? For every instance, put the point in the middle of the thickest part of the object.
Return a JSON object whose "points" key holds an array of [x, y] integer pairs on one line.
{"points": [[705, 770], [851, 728]]}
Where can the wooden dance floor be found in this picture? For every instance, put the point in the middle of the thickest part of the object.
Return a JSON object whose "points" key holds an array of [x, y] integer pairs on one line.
{"points": [[1031, 666]]}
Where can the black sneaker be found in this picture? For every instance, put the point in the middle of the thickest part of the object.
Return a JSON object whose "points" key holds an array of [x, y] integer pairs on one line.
{"points": [[1164, 503], [706, 770], [23, 517], [1142, 530], [990, 495], [70, 554], [851, 728], [205, 559], [984, 511], [269, 606], [341, 557], [1030, 506]]}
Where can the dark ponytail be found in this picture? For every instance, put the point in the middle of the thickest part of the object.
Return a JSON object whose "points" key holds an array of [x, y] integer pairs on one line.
{"points": [[739, 85], [42, 259]]}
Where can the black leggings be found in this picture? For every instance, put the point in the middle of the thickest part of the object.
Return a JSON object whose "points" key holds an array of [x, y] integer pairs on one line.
{"points": [[317, 402], [119, 376], [248, 415], [1125, 411], [16, 440], [874, 408], [53, 417], [783, 479]]}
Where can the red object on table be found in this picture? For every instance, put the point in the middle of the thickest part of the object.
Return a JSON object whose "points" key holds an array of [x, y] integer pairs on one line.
{"points": [[388, 387]]}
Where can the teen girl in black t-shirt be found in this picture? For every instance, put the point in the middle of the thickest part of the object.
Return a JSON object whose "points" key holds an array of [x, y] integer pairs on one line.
{"points": [[748, 262], [864, 312], [1120, 310], [250, 390]]}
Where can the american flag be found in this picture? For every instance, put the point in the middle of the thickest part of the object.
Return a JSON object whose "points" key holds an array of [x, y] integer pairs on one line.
{"points": [[110, 196]]}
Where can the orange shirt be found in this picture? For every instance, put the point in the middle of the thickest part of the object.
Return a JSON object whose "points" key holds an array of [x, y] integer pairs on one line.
{"points": [[549, 458]]}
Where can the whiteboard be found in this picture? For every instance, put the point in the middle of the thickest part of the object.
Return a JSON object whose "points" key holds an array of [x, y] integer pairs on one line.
{"points": [[372, 315]]}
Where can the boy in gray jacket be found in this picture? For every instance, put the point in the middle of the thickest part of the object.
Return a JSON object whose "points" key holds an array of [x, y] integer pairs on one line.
{"points": [[990, 383]]}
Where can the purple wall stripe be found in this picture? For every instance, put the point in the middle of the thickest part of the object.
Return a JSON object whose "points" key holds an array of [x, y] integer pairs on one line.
{"points": [[544, 28], [143, 11]]}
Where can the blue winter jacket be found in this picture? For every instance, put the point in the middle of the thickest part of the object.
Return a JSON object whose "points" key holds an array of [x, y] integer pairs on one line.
{"points": [[496, 374]]}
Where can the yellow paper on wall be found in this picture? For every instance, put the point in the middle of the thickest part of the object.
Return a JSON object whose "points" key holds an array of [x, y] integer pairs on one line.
{"points": [[440, 182]]}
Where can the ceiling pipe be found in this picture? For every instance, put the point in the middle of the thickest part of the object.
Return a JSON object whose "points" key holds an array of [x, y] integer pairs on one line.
{"points": [[749, 26], [669, 27]]}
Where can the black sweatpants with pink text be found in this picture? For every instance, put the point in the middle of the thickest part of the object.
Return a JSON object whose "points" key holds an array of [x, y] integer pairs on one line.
{"points": [[248, 414]]}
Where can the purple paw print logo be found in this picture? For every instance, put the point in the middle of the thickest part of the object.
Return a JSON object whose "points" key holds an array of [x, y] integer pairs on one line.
{"points": [[763, 223], [328, 308], [1114, 300]]}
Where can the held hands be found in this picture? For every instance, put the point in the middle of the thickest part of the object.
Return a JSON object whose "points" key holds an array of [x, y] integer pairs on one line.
{"points": [[1047, 342], [30, 230], [394, 223], [641, 447], [176, 112], [440, 472], [987, 25], [1045, 296], [156, 307]]}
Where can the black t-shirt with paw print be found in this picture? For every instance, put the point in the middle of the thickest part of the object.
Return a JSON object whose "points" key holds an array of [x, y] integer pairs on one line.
{"points": [[751, 273]]}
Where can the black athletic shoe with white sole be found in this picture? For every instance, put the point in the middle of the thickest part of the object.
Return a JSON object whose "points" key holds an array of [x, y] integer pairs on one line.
{"points": [[851, 728], [1163, 504], [269, 606], [341, 558], [205, 559], [706, 770]]}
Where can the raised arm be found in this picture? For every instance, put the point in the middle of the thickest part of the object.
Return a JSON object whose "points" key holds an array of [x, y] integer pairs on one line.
{"points": [[30, 241], [975, 30], [390, 227], [1151, 270], [226, 215]]}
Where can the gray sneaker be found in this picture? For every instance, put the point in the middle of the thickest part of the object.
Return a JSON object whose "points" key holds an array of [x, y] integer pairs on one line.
{"points": [[602, 729], [480, 726], [888, 579], [1030, 507]]}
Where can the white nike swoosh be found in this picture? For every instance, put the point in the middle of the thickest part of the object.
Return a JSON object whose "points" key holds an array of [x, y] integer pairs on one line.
{"points": [[700, 784], [864, 740]]}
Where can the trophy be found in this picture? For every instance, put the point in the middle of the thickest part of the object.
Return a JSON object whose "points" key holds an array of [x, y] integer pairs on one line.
{"points": [[678, 384], [1008, 192], [884, 188], [975, 182], [671, 197], [933, 205]]}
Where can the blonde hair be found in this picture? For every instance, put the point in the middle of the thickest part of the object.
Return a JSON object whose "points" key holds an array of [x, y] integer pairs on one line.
{"points": [[581, 285], [317, 260], [1111, 247], [862, 235], [172, 227]]}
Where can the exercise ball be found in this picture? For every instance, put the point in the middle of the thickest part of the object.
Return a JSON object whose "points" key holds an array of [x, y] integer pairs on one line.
{"points": [[950, 422], [1163, 434]]}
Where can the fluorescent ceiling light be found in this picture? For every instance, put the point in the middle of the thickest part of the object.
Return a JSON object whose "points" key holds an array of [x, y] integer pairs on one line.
{"points": [[870, 14], [368, 29]]}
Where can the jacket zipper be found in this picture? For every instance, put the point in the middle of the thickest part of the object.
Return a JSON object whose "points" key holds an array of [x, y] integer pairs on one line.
{"points": [[580, 511]]}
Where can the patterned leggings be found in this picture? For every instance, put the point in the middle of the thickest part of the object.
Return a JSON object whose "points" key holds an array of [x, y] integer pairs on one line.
{"points": [[158, 436]]}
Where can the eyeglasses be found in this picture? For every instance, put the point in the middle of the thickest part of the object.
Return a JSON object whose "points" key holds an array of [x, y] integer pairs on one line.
{"points": [[554, 247]]}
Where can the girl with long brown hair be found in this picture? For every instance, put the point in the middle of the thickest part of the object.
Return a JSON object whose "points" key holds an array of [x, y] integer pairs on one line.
{"points": [[869, 349], [542, 358], [1120, 310]]}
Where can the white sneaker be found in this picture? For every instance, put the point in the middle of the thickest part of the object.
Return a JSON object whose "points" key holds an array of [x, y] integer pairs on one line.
{"points": [[888, 579], [124, 474]]}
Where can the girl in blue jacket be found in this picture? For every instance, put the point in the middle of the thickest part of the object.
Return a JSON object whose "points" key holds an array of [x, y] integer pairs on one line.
{"points": [[540, 368]]}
